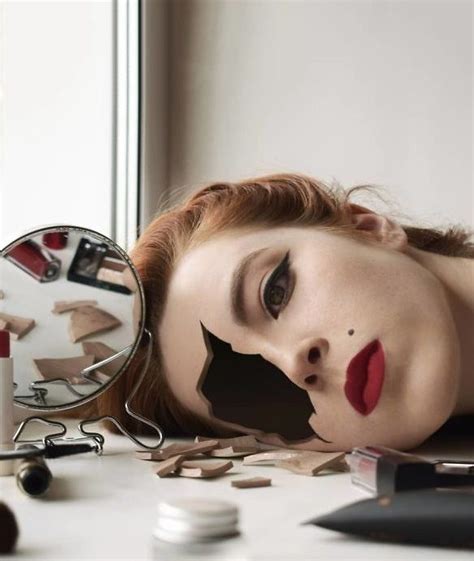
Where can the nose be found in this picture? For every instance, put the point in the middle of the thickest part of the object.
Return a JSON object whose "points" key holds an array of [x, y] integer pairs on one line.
{"points": [[303, 364]]}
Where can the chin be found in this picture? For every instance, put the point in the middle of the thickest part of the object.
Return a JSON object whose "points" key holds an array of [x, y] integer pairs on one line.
{"points": [[404, 442], [400, 441]]}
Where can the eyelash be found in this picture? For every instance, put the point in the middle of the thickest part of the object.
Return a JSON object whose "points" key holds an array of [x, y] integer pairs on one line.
{"points": [[281, 271]]}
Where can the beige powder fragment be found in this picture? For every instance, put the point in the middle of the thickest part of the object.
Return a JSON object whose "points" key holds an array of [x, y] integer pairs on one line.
{"points": [[204, 469], [169, 466], [62, 306], [17, 326], [251, 482], [89, 320], [176, 449], [310, 463]]}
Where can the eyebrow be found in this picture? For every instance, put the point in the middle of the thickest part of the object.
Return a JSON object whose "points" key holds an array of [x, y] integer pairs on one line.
{"points": [[237, 287]]}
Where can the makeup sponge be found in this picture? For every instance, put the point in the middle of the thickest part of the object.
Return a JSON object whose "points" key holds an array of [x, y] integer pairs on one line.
{"points": [[8, 529]]}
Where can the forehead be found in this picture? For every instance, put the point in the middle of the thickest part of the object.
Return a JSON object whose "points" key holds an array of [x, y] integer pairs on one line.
{"points": [[199, 292]]}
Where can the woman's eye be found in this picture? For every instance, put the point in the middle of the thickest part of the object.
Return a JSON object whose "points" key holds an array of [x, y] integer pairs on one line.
{"points": [[276, 290], [276, 295]]}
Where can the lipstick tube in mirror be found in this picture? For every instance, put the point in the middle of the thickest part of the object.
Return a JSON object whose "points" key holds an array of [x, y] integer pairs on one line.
{"points": [[35, 260]]}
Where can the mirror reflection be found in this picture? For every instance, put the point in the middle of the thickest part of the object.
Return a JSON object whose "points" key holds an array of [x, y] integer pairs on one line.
{"points": [[67, 299]]}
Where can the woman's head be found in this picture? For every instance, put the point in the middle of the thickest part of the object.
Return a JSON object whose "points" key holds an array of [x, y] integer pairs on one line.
{"points": [[280, 308]]}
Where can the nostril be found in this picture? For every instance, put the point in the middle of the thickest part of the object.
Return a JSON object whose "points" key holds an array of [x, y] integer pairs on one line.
{"points": [[313, 355], [311, 380]]}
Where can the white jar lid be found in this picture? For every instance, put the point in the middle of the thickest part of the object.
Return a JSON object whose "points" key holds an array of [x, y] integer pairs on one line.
{"points": [[189, 520]]}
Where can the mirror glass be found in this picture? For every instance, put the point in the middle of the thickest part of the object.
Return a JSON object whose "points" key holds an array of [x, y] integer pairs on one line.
{"points": [[73, 304]]}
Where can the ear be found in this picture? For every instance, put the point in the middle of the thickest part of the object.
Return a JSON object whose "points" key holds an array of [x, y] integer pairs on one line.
{"points": [[381, 229]]}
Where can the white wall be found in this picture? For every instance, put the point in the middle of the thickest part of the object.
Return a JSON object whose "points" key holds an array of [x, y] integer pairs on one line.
{"points": [[56, 115], [360, 91], [155, 114]]}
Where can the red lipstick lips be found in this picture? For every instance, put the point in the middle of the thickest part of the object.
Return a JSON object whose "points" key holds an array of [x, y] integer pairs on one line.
{"points": [[365, 375]]}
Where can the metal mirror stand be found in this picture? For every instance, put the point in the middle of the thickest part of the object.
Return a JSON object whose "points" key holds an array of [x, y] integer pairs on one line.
{"points": [[55, 438]]}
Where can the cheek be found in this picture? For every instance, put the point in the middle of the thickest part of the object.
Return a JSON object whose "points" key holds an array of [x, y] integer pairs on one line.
{"points": [[332, 298], [404, 306]]}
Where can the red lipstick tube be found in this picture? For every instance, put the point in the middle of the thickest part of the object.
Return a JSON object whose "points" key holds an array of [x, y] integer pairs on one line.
{"points": [[6, 402], [36, 261]]}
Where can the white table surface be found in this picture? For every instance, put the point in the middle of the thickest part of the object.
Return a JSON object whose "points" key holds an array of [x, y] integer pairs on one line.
{"points": [[105, 508]]}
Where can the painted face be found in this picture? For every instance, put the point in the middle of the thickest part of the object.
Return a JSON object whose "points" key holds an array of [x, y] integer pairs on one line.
{"points": [[311, 339]]}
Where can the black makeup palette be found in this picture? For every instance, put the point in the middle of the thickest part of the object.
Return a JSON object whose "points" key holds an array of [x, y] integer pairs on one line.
{"points": [[96, 265]]}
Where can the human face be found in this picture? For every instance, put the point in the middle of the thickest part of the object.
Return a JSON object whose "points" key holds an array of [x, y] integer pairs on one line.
{"points": [[334, 296]]}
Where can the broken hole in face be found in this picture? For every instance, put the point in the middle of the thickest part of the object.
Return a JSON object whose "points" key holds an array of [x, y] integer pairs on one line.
{"points": [[250, 391]]}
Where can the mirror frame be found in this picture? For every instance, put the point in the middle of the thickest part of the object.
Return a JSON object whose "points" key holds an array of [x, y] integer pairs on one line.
{"points": [[141, 324]]}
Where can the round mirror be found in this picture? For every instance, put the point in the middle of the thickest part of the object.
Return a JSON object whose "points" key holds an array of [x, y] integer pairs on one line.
{"points": [[74, 306]]}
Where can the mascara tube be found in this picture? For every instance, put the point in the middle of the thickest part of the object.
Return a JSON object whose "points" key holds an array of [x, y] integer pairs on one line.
{"points": [[6, 402]]}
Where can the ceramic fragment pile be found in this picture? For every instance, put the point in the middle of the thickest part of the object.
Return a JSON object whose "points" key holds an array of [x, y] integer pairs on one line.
{"points": [[198, 459]]}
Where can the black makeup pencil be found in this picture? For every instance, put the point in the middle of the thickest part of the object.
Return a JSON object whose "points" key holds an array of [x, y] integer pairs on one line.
{"points": [[426, 517]]}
